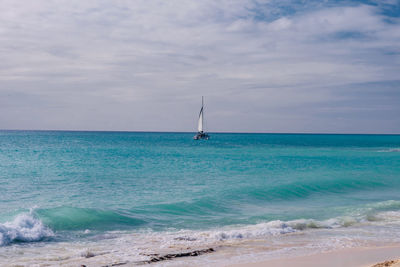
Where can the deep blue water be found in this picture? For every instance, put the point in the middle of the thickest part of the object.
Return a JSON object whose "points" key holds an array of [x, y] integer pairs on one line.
{"points": [[131, 180]]}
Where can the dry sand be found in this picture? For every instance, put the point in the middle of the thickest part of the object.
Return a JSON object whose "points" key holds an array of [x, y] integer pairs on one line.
{"points": [[356, 257]]}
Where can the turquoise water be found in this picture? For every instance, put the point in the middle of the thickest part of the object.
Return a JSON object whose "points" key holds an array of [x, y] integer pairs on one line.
{"points": [[57, 184]]}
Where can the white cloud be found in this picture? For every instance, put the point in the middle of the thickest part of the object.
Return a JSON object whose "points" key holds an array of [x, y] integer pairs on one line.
{"points": [[130, 61]]}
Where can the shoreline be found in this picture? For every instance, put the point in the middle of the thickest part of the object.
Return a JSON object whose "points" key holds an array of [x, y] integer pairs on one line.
{"points": [[351, 257], [241, 254]]}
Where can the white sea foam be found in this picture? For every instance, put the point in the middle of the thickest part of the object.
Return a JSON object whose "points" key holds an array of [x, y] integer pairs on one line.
{"points": [[263, 240], [266, 230], [277, 238], [388, 216], [275, 228], [24, 228], [272, 228]]}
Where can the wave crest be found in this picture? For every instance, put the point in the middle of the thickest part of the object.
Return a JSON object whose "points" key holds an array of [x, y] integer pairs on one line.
{"points": [[390, 150], [24, 228], [261, 230]]}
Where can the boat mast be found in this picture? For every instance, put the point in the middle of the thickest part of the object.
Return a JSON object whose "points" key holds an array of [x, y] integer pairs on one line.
{"points": [[200, 123], [202, 111]]}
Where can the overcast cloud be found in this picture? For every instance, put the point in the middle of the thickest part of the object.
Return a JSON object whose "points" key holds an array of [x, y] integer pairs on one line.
{"points": [[263, 66]]}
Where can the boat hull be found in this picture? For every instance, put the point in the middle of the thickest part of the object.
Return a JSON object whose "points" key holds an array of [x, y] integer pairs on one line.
{"points": [[201, 136]]}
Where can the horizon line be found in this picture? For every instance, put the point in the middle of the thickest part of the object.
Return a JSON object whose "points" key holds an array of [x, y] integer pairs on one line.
{"points": [[219, 132]]}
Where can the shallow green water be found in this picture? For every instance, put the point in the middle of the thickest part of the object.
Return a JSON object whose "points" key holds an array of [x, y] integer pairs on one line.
{"points": [[105, 181]]}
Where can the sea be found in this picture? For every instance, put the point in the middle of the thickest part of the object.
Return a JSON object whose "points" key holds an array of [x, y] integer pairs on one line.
{"points": [[101, 198]]}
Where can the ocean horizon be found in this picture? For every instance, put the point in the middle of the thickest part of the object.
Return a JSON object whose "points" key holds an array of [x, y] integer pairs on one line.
{"points": [[110, 197], [194, 132]]}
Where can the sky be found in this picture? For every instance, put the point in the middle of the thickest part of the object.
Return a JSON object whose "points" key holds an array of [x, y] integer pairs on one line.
{"points": [[143, 65]]}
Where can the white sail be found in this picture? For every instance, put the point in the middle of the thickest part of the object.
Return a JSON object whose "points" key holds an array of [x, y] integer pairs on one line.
{"points": [[201, 135], [200, 125]]}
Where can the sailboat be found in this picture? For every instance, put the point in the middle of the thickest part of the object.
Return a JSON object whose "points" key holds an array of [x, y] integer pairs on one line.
{"points": [[200, 134]]}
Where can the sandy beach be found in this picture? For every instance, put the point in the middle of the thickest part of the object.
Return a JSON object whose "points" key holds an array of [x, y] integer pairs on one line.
{"points": [[354, 257]]}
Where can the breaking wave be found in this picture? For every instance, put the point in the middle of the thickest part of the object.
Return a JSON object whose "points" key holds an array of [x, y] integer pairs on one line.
{"points": [[24, 228], [274, 228]]}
